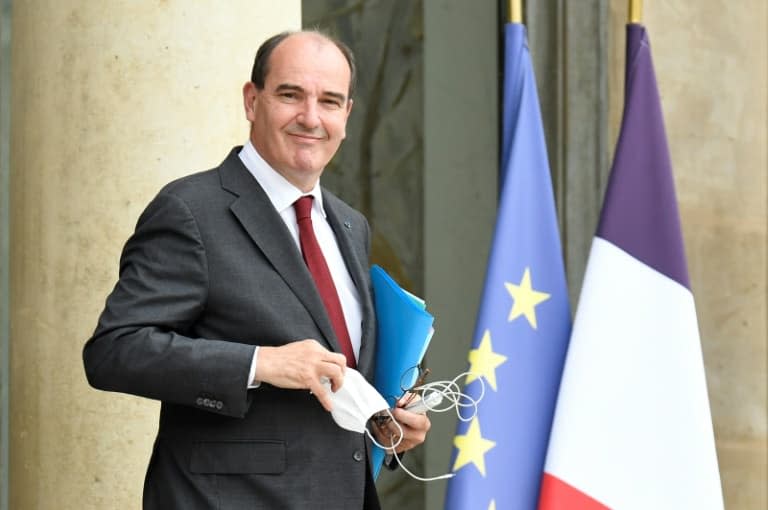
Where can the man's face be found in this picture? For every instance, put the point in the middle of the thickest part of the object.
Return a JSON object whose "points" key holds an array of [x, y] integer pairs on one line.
{"points": [[298, 120]]}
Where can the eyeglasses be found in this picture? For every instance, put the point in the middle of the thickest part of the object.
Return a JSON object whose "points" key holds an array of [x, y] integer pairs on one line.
{"points": [[415, 388], [410, 383]]}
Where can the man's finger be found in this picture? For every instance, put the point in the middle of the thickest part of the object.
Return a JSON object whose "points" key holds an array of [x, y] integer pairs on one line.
{"points": [[320, 393], [336, 358], [334, 374], [331, 366], [411, 420]]}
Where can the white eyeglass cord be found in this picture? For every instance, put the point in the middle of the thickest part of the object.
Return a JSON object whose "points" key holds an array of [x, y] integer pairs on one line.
{"points": [[451, 393]]}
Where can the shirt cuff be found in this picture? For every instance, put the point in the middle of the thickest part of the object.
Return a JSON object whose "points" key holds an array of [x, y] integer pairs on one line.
{"points": [[252, 383]]}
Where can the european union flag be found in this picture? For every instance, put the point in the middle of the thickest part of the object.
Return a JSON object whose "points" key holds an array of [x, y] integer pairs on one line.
{"points": [[524, 320]]}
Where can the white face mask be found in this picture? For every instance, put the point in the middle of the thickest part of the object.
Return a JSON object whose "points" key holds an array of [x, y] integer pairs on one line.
{"points": [[355, 402]]}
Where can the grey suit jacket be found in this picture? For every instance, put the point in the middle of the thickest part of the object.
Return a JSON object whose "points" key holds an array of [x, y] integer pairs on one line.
{"points": [[210, 272]]}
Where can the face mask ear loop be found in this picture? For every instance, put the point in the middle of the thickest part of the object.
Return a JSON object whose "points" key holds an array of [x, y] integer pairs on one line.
{"points": [[451, 392], [419, 478], [397, 458], [393, 445], [477, 378], [473, 402]]}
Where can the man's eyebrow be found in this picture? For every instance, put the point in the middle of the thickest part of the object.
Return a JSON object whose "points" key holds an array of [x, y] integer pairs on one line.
{"points": [[283, 87], [287, 86]]}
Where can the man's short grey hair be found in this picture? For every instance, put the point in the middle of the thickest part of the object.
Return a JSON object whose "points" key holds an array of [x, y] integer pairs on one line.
{"points": [[261, 62]]}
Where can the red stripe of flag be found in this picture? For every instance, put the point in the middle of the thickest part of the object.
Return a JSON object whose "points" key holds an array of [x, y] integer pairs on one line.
{"points": [[558, 495]]}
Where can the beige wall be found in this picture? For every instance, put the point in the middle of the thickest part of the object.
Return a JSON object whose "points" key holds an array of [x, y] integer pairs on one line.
{"points": [[110, 100], [711, 60], [113, 99]]}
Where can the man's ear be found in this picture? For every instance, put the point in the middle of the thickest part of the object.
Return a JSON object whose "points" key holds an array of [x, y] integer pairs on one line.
{"points": [[349, 107], [250, 94], [346, 118]]}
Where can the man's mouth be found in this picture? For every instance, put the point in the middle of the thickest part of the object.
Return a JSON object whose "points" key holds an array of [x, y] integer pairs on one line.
{"points": [[307, 135]]}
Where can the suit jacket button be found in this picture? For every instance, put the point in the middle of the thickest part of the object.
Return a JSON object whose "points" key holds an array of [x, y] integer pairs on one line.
{"points": [[207, 402], [219, 404], [358, 455], [199, 401]]}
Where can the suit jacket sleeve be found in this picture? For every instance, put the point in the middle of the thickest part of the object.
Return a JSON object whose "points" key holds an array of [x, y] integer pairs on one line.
{"points": [[141, 346]]}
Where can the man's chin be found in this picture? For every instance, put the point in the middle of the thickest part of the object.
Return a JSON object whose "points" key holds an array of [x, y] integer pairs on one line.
{"points": [[308, 165], [304, 175]]}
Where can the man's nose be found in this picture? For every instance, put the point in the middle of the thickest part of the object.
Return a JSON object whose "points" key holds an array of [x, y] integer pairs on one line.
{"points": [[309, 116]]}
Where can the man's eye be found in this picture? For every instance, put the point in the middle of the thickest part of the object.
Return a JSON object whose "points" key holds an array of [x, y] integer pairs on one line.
{"points": [[288, 95], [332, 103]]}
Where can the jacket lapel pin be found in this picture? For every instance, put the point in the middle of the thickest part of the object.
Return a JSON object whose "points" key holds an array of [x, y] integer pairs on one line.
{"points": [[347, 225]]}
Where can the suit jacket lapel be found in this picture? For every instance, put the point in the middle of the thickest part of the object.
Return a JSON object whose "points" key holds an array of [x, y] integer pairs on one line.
{"points": [[264, 225]]}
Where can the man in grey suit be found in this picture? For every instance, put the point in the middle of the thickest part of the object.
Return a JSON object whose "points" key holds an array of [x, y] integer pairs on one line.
{"points": [[217, 315]]}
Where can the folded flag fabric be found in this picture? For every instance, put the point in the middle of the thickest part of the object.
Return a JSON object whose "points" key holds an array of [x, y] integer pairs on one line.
{"points": [[632, 428], [524, 320]]}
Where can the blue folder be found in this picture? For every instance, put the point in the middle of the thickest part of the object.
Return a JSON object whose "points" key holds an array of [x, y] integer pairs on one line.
{"points": [[404, 329]]}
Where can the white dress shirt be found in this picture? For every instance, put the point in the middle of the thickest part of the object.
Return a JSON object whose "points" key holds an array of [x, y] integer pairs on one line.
{"points": [[283, 194]]}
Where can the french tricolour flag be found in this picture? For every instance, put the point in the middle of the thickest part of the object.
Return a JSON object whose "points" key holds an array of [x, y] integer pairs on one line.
{"points": [[632, 427]]}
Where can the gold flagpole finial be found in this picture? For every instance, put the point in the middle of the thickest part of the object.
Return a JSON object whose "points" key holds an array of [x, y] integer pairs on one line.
{"points": [[635, 11], [515, 11]]}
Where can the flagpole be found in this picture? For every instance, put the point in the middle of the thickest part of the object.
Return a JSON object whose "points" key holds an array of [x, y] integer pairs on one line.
{"points": [[635, 11], [515, 11]]}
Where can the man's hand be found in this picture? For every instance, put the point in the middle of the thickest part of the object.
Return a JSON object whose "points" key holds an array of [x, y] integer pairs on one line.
{"points": [[415, 427], [301, 365]]}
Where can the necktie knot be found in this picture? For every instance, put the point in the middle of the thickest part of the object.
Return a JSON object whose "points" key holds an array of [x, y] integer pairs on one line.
{"points": [[303, 207]]}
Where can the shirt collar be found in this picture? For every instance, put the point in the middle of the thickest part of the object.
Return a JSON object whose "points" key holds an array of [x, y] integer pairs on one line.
{"points": [[280, 192]]}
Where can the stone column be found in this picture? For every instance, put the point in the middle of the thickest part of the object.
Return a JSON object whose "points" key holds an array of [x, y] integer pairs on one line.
{"points": [[461, 122], [110, 101]]}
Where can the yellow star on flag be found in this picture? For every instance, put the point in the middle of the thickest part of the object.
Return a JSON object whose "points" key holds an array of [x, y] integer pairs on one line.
{"points": [[492, 506], [472, 448], [526, 299], [483, 361]]}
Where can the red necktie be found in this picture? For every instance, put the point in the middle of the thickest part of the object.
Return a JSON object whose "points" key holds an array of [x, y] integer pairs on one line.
{"points": [[313, 256]]}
